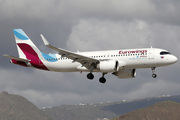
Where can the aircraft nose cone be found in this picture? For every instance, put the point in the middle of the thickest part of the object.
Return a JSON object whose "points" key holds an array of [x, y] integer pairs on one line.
{"points": [[174, 59]]}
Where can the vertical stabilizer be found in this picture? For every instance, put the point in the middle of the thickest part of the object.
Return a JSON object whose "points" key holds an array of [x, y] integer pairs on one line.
{"points": [[28, 50], [24, 44]]}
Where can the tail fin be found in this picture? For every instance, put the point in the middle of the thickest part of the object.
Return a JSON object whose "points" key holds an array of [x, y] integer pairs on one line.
{"points": [[26, 48]]}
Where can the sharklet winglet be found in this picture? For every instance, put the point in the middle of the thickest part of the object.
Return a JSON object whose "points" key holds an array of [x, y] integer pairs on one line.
{"points": [[45, 40]]}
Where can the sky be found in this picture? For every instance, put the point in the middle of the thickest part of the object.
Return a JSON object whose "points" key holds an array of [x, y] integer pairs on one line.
{"points": [[89, 25]]}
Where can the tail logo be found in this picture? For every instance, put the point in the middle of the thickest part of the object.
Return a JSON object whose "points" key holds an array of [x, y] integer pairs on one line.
{"points": [[20, 34]]}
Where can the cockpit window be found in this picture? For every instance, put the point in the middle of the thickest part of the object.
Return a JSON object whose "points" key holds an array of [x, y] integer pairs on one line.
{"points": [[164, 53]]}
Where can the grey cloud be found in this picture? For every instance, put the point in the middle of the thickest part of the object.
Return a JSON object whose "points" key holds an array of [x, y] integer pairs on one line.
{"points": [[122, 34], [107, 9]]}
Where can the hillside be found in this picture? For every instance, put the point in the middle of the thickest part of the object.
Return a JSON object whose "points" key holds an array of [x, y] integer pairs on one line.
{"points": [[103, 110], [79, 112], [15, 107], [166, 110]]}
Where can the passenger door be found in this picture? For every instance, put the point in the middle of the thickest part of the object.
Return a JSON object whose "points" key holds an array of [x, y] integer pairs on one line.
{"points": [[151, 53]]}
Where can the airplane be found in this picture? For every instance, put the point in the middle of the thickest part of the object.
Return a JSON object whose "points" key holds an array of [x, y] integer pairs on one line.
{"points": [[121, 63]]}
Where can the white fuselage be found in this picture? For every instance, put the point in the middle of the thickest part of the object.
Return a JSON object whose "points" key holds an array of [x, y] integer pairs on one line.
{"points": [[134, 58]]}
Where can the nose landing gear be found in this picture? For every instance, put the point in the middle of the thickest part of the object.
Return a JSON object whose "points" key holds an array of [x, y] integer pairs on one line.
{"points": [[153, 71], [154, 75]]}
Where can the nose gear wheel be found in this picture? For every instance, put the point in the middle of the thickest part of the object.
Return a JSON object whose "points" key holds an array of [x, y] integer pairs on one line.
{"points": [[153, 71], [154, 75]]}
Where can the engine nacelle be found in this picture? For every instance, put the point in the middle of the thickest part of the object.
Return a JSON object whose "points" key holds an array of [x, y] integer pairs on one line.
{"points": [[127, 73], [108, 66]]}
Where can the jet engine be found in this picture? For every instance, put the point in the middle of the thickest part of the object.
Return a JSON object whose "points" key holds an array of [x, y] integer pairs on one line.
{"points": [[127, 73], [110, 66]]}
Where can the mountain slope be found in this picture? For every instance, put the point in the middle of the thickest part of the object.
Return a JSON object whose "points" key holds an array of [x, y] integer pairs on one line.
{"points": [[121, 108], [15, 107], [78, 112], [166, 110], [104, 110]]}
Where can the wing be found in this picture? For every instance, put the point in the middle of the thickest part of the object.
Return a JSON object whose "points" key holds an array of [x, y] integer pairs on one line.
{"points": [[16, 58], [89, 63]]}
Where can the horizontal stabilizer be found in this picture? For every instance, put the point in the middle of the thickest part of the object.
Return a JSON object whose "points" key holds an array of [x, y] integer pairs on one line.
{"points": [[16, 58]]}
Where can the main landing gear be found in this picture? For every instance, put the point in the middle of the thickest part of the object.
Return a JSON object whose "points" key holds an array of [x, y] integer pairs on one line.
{"points": [[153, 71], [101, 79], [90, 76]]}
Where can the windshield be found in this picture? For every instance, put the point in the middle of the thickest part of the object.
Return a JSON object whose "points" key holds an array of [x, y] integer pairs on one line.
{"points": [[164, 53]]}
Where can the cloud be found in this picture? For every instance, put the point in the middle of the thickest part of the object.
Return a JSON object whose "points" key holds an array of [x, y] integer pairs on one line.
{"points": [[150, 89], [95, 34], [107, 9]]}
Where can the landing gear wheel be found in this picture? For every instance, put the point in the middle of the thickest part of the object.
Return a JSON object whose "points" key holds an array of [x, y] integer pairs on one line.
{"points": [[102, 80], [153, 71], [90, 76], [154, 75]]}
